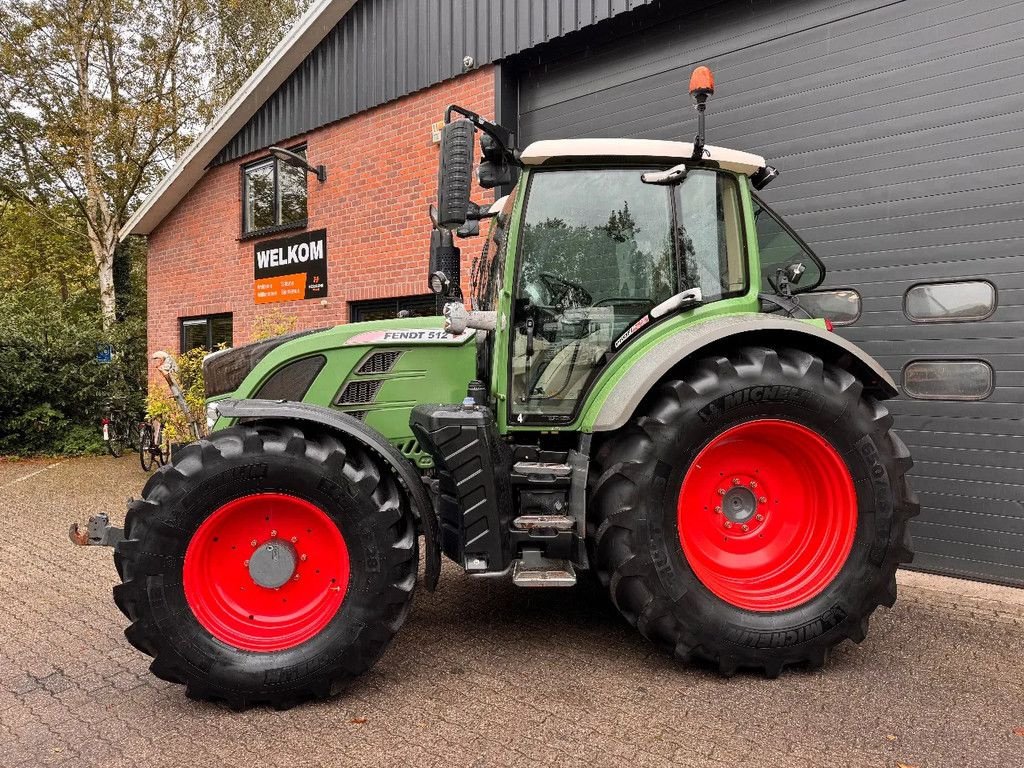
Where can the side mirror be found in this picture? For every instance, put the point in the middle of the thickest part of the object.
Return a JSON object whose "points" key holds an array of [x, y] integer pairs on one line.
{"points": [[445, 260], [494, 170], [455, 173]]}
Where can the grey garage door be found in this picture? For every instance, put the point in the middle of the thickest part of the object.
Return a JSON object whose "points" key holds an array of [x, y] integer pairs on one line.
{"points": [[899, 131]]}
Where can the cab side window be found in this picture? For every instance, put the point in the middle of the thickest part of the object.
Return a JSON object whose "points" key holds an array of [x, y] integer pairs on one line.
{"points": [[779, 248]]}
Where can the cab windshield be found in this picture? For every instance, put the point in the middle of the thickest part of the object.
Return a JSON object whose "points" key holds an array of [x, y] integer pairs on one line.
{"points": [[598, 250]]}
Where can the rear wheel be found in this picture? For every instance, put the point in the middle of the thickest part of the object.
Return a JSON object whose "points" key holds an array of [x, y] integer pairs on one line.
{"points": [[267, 565], [114, 436], [754, 512], [146, 457]]}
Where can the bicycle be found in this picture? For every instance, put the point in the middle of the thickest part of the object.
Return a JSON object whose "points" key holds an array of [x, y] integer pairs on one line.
{"points": [[154, 448], [117, 432]]}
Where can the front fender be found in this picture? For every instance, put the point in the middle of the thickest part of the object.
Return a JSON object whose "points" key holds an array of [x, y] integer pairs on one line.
{"points": [[617, 398], [422, 508]]}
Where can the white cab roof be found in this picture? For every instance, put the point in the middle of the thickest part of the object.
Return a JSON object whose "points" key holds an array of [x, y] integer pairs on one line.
{"points": [[730, 159]]}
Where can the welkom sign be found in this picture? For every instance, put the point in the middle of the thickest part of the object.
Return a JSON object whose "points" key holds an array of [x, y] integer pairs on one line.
{"points": [[290, 268]]}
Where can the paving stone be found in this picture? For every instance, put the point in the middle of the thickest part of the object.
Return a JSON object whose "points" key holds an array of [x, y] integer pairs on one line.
{"points": [[487, 675]]}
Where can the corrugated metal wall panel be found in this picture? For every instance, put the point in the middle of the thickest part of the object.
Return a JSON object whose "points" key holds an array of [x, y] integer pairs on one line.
{"points": [[384, 49], [898, 130]]}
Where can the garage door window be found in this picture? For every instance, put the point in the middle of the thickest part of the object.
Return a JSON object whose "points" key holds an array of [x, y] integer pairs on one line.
{"points": [[950, 302]]}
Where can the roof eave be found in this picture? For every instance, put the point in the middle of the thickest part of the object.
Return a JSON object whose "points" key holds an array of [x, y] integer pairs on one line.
{"points": [[302, 38]]}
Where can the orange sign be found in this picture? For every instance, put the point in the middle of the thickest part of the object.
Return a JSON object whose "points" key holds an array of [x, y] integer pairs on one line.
{"points": [[280, 288]]}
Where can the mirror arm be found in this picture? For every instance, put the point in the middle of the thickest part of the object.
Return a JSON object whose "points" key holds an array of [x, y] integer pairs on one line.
{"points": [[499, 133]]}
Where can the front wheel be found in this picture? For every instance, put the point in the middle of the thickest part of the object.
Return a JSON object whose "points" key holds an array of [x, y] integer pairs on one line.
{"points": [[754, 512], [267, 565]]}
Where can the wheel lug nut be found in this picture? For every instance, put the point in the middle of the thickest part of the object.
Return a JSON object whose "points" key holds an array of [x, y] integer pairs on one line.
{"points": [[746, 527], [295, 539], [735, 481], [245, 563], [759, 518], [303, 558], [753, 483], [296, 577], [273, 534], [718, 510], [721, 491], [763, 499], [253, 543], [728, 524]]}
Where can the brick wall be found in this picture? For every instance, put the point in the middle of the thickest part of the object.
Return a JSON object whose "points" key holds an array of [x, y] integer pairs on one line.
{"points": [[381, 176]]}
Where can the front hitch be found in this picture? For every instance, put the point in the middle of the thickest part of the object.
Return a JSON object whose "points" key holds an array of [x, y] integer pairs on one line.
{"points": [[98, 533]]}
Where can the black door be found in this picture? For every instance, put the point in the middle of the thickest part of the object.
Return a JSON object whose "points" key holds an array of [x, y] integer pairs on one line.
{"points": [[899, 131]]}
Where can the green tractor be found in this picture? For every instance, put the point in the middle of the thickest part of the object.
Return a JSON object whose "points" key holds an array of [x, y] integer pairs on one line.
{"points": [[635, 391]]}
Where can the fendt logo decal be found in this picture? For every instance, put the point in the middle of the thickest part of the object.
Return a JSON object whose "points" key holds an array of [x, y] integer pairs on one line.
{"points": [[628, 333], [409, 336]]}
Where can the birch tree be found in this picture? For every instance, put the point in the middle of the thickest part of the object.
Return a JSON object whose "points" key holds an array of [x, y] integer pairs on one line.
{"points": [[96, 99]]}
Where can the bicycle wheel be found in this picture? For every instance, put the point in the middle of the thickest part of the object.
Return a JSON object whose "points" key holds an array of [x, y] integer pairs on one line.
{"points": [[146, 447], [113, 435], [163, 446]]}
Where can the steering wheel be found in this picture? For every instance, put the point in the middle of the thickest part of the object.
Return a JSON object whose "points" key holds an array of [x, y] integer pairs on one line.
{"points": [[566, 291]]}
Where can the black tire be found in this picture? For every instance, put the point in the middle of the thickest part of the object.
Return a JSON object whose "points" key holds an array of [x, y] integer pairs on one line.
{"points": [[343, 480], [633, 525], [146, 447]]}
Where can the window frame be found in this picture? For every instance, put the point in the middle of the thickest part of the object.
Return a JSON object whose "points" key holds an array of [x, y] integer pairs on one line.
{"points": [[276, 202], [639, 165], [208, 319], [755, 201]]}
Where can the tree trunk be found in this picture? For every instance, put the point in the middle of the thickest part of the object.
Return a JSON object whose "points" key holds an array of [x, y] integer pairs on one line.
{"points": [[103, 255], [100, 225]]}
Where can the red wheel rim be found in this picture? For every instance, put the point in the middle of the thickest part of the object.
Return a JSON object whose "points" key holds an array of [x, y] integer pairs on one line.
{"points": [[291, 537], [767, 515]]}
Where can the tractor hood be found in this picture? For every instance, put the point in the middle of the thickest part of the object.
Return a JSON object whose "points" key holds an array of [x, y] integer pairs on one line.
{"points": [[375, 371]]}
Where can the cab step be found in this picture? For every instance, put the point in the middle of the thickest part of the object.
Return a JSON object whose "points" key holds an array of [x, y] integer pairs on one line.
{"points": [[544, 523], [534, 570], [541, 472]]}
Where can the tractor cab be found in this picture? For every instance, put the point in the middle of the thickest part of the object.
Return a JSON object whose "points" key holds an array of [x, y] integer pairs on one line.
{"points": [[601, 242]]}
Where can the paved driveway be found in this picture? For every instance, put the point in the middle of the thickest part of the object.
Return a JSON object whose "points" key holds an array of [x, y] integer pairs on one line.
{"points": [[484, 674]]}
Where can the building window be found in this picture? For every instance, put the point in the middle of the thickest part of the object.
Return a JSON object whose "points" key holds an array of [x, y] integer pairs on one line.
{"points": [[842, 307], [957, 302], [386, 309], [273, 196], [209, 333], [948, 379]]}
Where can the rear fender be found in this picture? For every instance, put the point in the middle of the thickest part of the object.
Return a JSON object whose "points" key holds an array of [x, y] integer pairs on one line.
{"points": [[348, 426], [618, 400]]}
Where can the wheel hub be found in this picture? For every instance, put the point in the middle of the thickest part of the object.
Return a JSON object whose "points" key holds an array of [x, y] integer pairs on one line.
{"points": [[739, 504], [767, 514], [273, 563]]}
